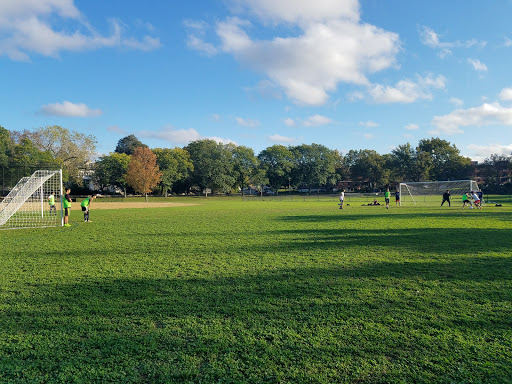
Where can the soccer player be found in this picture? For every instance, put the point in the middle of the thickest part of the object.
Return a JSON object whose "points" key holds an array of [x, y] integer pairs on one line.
{"points": [[466, 199], [446, 197], [476, 200], [66, 203], [86, 206], [342, 198], [51, 201], [387, 196], [397, 197]]}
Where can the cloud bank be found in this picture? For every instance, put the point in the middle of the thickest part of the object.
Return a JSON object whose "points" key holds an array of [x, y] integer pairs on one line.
{"points": [[48, 27], [330, 45]]}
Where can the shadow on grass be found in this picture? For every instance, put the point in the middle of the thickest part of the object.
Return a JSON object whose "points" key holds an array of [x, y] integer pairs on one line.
{"points": [[412, 320], [399, 214], [424, 240]]}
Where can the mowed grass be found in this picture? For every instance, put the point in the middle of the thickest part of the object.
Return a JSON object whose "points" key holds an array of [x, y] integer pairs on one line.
{"points": [[234, 291]]}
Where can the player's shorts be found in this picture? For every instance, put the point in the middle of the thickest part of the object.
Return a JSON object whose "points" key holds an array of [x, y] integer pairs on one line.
{"points": [[84, 209], [66, 211], [477, 201], [387, 201]]}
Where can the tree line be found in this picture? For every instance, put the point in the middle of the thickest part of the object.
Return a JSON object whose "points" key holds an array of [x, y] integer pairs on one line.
{"points": [[205, 164]]}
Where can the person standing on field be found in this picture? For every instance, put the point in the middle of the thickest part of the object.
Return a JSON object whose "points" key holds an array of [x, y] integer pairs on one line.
{"points": [[51, 201], [66, 203], [397, 197], [86, 206], [446, 197], [342, 198], [387, 196]]}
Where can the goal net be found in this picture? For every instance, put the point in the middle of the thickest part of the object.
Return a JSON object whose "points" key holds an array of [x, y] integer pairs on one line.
{"points": [[431, 192], [34, 202]]}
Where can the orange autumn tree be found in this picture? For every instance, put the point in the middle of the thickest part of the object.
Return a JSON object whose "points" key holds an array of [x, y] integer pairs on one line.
{"points": [[143, 173]]}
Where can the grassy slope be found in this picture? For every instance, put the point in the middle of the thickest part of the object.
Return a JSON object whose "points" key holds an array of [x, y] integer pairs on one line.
{"points": [[235, 291]]}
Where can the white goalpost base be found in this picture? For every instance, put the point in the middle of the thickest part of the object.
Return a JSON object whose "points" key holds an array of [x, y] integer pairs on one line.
{"points": [[431, 192], [27, 205]]}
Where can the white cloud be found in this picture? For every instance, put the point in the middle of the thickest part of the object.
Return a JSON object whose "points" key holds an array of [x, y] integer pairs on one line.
{"points": [[368, 136], [311, 121], [180, 136], [368, 124], [299, 11], [407, 91], [281, 139], [412, 127], [193, 42], [506, 94], [316, 121], [330, 47], [481, 152], [33, 26], [485, 115], [431, 39], [68, 109], [457, 102], [478, 65], [175, 136], [289, 122], [222, 140], [248, 123]]}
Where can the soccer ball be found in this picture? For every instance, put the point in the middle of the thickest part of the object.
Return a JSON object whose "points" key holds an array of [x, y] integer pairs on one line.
{"points": [[470, 207]]}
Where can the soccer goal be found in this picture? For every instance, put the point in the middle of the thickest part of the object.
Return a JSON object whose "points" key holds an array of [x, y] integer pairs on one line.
{"points": [[34, 202], [431, 192]]}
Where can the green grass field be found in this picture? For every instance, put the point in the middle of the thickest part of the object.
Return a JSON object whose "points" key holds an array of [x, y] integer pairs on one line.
{"points": [[233, 291]]}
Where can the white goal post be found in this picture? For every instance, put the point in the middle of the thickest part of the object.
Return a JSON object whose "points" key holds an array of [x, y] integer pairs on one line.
{"points": [[35, 202], [430, 192]]}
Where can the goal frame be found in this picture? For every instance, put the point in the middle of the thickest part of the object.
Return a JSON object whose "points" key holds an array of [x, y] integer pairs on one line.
{"points": [[437, 188], [27, 204]]}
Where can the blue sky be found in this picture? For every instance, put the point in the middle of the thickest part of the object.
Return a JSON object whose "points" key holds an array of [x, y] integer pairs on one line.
{"points": [[348, 74]]}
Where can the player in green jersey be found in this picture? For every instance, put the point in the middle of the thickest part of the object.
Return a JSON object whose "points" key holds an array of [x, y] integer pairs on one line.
{"points": [[86, 206], [387, 196], [51, 201]]}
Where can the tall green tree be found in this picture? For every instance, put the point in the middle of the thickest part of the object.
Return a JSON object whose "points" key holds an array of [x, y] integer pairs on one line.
{"points": [[495, 168], [408, 165], [315, 165], [213, 167], [128, 144], [6, 145], [367, 167], [277, 162], [70, 149], [175, 165], [26, 154], [110, 170], [245, 164], [445, 159]]}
